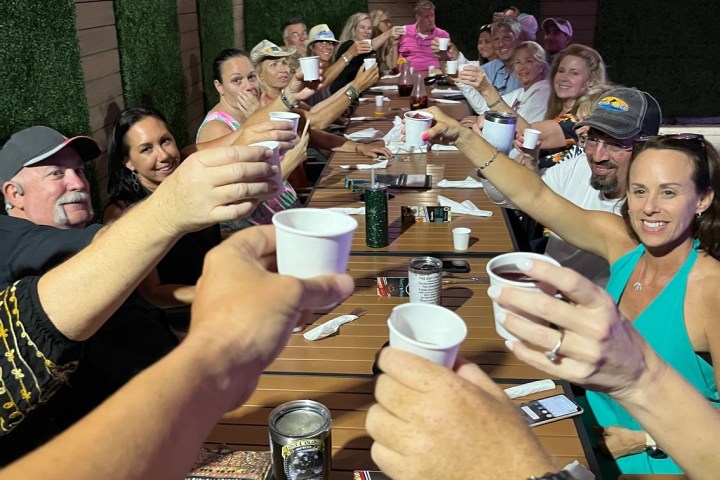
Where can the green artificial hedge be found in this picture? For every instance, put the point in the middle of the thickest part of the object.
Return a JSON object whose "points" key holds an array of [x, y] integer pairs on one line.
{"points": [[264, 18], [463, 19], [150, 61], [215, 21], [666, 48], [42, 80]]}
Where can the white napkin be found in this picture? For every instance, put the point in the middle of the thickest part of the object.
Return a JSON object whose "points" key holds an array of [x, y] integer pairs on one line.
{"points": [[382, 88], [393, 139], [365, 136], [469, 182], [529, 388], [366, 166], [385, 77], [443, 100], [445, 91], [464, 208], [443, 148], [372, 99], [328, 328], [578, 471], [348, 211]]}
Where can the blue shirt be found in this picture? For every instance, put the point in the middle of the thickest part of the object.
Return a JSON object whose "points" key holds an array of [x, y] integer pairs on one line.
{"points": [[503, 81]]}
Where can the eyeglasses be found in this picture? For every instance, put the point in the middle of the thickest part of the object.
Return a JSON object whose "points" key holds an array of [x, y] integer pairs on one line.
{"points": [[324, 43], [612, 147], [690, 141]]}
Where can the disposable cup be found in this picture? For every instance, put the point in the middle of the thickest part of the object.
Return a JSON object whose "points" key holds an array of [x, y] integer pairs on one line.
{"points": [[310, 67], [451, 67], [274, 160], [368, 41], [414, 128], [430, 331], [443, 43], [503, 272], [369, 62], [400, 30], [379, 101], [461, 238], [530, 138], [286, 116], [313, 241]]}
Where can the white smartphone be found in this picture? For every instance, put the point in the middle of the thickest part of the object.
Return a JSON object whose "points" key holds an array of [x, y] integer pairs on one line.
{"points": [[549, 409]]}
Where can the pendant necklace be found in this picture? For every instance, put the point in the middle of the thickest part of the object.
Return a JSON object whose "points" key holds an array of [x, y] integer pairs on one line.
{"points": [[638, 285]]}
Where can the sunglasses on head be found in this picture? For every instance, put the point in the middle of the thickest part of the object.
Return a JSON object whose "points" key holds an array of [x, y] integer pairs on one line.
{"points": [[691, 141]]}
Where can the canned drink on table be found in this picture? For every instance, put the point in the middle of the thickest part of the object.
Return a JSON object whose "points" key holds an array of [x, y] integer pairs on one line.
{"points": [[300, 441], [425, 280]]}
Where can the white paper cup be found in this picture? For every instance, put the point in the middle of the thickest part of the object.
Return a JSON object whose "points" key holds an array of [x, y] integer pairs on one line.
{"points": [[274, 160], [430, 331], [379, 101], [530, 138], [313, 241], [414, 128], [369, 62], [310, 67], [400, 30], [287, 117], [368, 41], [461, 238], [443, 43], [503, 272], [451, 67]]}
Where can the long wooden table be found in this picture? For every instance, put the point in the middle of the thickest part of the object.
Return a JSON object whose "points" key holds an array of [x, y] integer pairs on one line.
{"points": [[337, 371]]}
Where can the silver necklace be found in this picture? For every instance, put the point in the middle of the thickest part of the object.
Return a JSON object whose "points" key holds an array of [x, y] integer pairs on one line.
{"points": [[638, 285]]}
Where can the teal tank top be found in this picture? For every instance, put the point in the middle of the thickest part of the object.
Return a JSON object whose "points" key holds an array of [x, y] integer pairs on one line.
{"points": [[662, 324]]}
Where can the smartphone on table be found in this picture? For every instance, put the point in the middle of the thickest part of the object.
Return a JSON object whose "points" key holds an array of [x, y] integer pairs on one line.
{"points": [[549, 409]]}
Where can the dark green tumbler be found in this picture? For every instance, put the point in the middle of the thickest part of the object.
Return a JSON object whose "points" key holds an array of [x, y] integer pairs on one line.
{"points": [[376, 215]]}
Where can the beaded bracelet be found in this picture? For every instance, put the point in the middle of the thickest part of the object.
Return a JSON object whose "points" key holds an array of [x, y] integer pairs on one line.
{"points": [[285, 101], [492, 159]]}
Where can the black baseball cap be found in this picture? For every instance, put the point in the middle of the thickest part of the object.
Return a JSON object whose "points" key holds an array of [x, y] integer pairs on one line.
{"points": [[624, 113], [35, 144]]}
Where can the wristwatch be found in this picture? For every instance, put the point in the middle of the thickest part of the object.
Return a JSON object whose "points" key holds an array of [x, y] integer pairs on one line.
{"points": [[561, 475], [352, 94], [652, 449], [286, 101]]}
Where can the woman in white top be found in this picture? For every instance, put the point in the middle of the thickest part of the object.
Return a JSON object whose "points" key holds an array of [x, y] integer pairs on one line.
{"points": [[530, 101]]}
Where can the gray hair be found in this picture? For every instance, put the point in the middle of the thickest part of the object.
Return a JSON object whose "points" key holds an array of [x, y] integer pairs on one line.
{"points": [[508, 22], [423, 5]]}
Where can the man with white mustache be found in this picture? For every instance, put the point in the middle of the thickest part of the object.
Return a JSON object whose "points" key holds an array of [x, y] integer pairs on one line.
{"points": [[56, 319]]}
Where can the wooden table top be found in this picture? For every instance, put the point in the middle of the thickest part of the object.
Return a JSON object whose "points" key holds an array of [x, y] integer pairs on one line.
{"points": [[352, 350], [348, 398]]}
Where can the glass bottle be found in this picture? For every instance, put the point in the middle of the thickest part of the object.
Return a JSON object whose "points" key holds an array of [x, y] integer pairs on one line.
{"points": [[405, 81], [418, 97]]}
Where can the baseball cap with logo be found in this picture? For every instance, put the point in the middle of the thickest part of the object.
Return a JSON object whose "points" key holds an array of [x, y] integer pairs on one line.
{"points": [[320, 33], [267, 49], [561, 24], [35, 144], [624, 113]]}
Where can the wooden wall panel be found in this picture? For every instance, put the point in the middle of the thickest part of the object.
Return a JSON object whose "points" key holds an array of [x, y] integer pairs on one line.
{"points": [[190, 52], [239, 20]]}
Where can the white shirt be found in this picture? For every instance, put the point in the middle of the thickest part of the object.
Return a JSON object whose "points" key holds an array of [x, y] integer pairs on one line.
{"points": [[571, 180], [531, 104]]}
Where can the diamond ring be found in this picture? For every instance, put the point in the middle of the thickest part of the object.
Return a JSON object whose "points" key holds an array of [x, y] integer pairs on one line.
{"points": [[553, 354]]}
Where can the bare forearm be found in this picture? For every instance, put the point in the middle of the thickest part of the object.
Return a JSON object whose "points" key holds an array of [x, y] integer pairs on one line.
{"points": [[80, 294], [143, 432], [333, 71], [691, 434]]}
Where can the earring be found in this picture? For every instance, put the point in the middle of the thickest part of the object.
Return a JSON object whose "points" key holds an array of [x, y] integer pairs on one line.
{"points": [[135, 182], [698, 214]]}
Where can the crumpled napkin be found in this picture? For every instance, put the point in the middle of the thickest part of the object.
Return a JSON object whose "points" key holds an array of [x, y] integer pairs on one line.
{"points": [[385, 77], [365, 136], [328, 328], [529, 388], [366, 166], [444, 91], [443, 148], [393, 139], [464, 208], [348, 210], [469, 182]]}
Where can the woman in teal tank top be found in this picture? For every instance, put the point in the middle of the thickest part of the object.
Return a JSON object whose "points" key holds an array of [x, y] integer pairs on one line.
{"points": [[663, 250]]}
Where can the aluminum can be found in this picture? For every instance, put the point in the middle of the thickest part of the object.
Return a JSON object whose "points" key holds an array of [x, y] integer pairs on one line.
{"points": [[425, 280], [300, 441]]}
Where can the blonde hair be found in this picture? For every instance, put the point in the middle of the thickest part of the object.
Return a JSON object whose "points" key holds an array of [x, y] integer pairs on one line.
{"points": [[538, 54], [596, 70], [586, 104], [375, 17], [348, 31]]}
